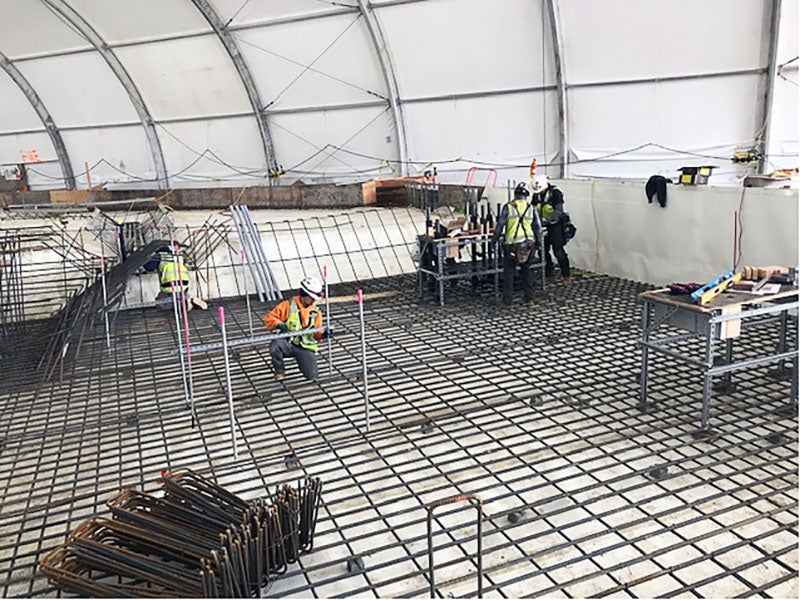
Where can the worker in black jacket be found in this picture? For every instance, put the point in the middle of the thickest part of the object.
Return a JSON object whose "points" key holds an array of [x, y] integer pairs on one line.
{"points": [[549, 202]]}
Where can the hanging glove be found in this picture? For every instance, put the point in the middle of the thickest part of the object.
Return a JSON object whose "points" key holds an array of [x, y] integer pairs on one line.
{"points": [[282, 328]]}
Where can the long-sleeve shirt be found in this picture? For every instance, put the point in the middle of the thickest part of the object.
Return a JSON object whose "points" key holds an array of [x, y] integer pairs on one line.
{"points": [[281, 312], [502, 220], [553, 198]]}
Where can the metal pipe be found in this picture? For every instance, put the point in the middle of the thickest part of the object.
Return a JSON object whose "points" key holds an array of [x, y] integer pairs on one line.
{"points": [[262, 264], [240, 229], [247, 293], [360, 297], [228, 381]]}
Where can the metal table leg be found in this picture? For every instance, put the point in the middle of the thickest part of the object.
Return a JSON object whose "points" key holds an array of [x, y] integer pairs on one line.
{"points": [[782, 340], [645, 374], [707, 377], [440, 268]]}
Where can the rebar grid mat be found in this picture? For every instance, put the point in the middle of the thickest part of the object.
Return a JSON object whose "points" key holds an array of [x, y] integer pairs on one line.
{"points": [[532, 409], [197, 539]]}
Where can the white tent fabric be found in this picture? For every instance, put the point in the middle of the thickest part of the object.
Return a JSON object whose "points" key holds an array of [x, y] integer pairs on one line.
{"points": [[171, 93]]}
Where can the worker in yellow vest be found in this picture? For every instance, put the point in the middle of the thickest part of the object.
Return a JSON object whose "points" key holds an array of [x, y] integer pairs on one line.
{"points": [[295, 315], [549, 201], [520, 231], [172, 270]]}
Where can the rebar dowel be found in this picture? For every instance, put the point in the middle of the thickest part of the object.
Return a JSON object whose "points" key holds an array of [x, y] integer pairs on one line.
{"points": [[105, 299], [180, 342], [190, 379], [478, 505], [228, 381], [247, 292], [327, 319], [360, 296]]}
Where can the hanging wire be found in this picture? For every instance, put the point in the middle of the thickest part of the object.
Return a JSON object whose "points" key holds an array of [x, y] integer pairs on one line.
{"points": [[236, 14], [308, 67], [319, 56]]}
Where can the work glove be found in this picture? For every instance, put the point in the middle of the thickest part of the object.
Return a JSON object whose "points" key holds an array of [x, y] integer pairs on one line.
{"points": [[282, 328], [327, 334]]}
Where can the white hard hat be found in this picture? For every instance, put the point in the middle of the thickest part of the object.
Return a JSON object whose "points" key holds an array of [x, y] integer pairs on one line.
{"points": [[540, 183], [312, 286]]}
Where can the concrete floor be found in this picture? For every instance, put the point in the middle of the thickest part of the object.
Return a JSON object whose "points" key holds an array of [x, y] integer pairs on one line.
{"points": [[532, 410]]}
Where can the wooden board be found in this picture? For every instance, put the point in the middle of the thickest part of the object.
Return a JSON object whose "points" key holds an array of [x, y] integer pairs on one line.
{"points": [[728, 299]]}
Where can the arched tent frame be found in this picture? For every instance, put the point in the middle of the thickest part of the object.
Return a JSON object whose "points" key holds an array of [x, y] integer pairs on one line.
{"points": [[311, 133]]}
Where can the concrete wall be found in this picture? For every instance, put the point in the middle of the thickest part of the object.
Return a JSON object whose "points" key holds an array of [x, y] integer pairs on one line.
{"points": [[691, 239], [296, 196]]}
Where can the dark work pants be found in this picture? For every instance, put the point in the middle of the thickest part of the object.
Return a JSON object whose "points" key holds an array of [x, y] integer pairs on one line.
{"points": [[555, 240], [509, 268], [306, 359]]}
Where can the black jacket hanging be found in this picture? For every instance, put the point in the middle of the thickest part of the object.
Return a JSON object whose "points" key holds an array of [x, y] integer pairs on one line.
{"points": [[657, 186]]}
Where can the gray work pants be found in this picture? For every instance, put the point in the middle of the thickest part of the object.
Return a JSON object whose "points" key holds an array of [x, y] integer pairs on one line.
{"points": [[306, 359]]}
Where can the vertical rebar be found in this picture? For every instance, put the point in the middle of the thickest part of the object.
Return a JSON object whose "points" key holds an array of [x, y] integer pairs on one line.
{"points": [[185, 313], [247, 292], [327, 319], [180, 341], [105, 297], [360, 297], [228, 381]]}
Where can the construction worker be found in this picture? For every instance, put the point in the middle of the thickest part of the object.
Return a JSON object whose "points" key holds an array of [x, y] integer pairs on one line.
{"points": [[520, 230], [172, 270], [549, 202], [297, 314]]}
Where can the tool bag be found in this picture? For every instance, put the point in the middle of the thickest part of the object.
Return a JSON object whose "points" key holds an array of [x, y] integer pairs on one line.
{"points": [[569, 229]]}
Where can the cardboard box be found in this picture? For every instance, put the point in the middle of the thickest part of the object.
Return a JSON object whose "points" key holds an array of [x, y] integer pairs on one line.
{"points": [[69, 196]]}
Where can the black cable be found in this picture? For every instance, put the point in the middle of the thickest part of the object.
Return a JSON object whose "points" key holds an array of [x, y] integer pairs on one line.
{"points": [[320, 55], [308, 67]]}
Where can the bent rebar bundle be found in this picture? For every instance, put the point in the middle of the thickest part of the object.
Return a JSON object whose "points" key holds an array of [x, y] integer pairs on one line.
{"points": [[198, 540]]}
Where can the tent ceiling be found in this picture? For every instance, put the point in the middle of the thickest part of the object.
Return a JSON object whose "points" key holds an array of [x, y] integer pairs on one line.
{"points": [[157, 93]]}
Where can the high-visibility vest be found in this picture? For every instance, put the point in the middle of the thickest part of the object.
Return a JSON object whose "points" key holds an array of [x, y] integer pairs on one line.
{"points": [[544, 207], [172, 270], [519, 226], [294, 323]]}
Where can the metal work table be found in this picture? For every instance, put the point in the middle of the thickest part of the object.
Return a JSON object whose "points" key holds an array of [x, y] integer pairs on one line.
{"points": [[722, 319], [434, 260]]}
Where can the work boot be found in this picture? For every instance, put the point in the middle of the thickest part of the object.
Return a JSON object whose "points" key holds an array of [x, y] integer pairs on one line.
{"points": [[551, 279], [280, 376], [200, 303], [507, 302], [567, 281], [528, 301]]}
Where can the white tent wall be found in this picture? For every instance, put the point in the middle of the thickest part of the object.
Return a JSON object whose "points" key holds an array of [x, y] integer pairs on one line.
{"points": [[344, 67], [335, 145], [691, 239], [113, 154], [18, 114], [783, 151], [708, 117], [483, 73], [140, 20], [478, 129], [207, 149]]}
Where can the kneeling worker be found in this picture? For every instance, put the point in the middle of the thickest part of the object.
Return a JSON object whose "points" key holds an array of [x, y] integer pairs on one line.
{"points": [[297, 314]]}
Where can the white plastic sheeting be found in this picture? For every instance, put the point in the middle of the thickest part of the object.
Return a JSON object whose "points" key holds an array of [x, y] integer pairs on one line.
{"points": [[657, 85], [691, 239]]}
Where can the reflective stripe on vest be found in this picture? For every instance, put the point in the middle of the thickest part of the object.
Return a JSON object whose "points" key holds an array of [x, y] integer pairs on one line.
{"points": [[306, 340], [169, 272], [544, 207], [519, 227]]}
